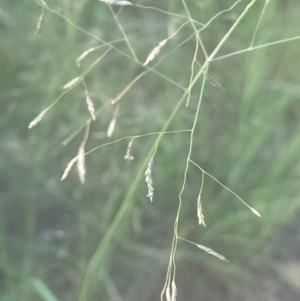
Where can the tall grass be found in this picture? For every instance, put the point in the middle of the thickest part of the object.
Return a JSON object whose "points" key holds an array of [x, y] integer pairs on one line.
{"points": [[205, 93]]}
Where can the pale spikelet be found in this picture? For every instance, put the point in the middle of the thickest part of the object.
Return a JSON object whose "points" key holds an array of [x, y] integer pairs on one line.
{"points": [[148, 179], [168, 293], [83, 55], [112, 124], [111, 127], [90, 105], [116, 2], [35, 121], [72, 83], [174, 291], [68, 168], [128, 157], [255, 211], [200, 212], [81, 164], [212, 252], [155, 52], [39, 24]]}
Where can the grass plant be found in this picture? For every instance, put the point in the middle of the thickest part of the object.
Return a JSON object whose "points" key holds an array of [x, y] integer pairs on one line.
{"points": [[201, 99]]}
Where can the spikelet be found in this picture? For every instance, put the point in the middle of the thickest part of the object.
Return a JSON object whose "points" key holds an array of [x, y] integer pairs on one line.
{"points": [[200, 212], [255, 211], [155, 52], [128, 157], [174, 291], [39, 23], [112, 124], [81, 155], [83, 55], [148, 179], [72, 83], [212, 252], [81, 164], [35, 121], [168, 293], [111, 127], [90, 105], [116, 2], [68, 168]]}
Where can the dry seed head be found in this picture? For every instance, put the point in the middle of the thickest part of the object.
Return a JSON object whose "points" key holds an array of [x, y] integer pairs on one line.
{"points": [[81, 164], [71, 83], [35, 121], [212, 252], [83, 55], [148, 179], [155, 52], [174, 291], [68, 168], [128, 157], [200, 212], [90, 105]]}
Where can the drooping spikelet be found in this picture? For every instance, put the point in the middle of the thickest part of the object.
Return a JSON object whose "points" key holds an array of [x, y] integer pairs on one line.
{"points": [[128, 157], [68, 168], [212, 252]]}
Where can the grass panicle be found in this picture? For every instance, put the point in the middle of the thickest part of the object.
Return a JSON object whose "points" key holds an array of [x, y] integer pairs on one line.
{"points": [[185, 85]]}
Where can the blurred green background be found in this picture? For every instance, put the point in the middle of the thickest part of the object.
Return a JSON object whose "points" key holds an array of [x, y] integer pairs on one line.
{"points": [[104, 240]]}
